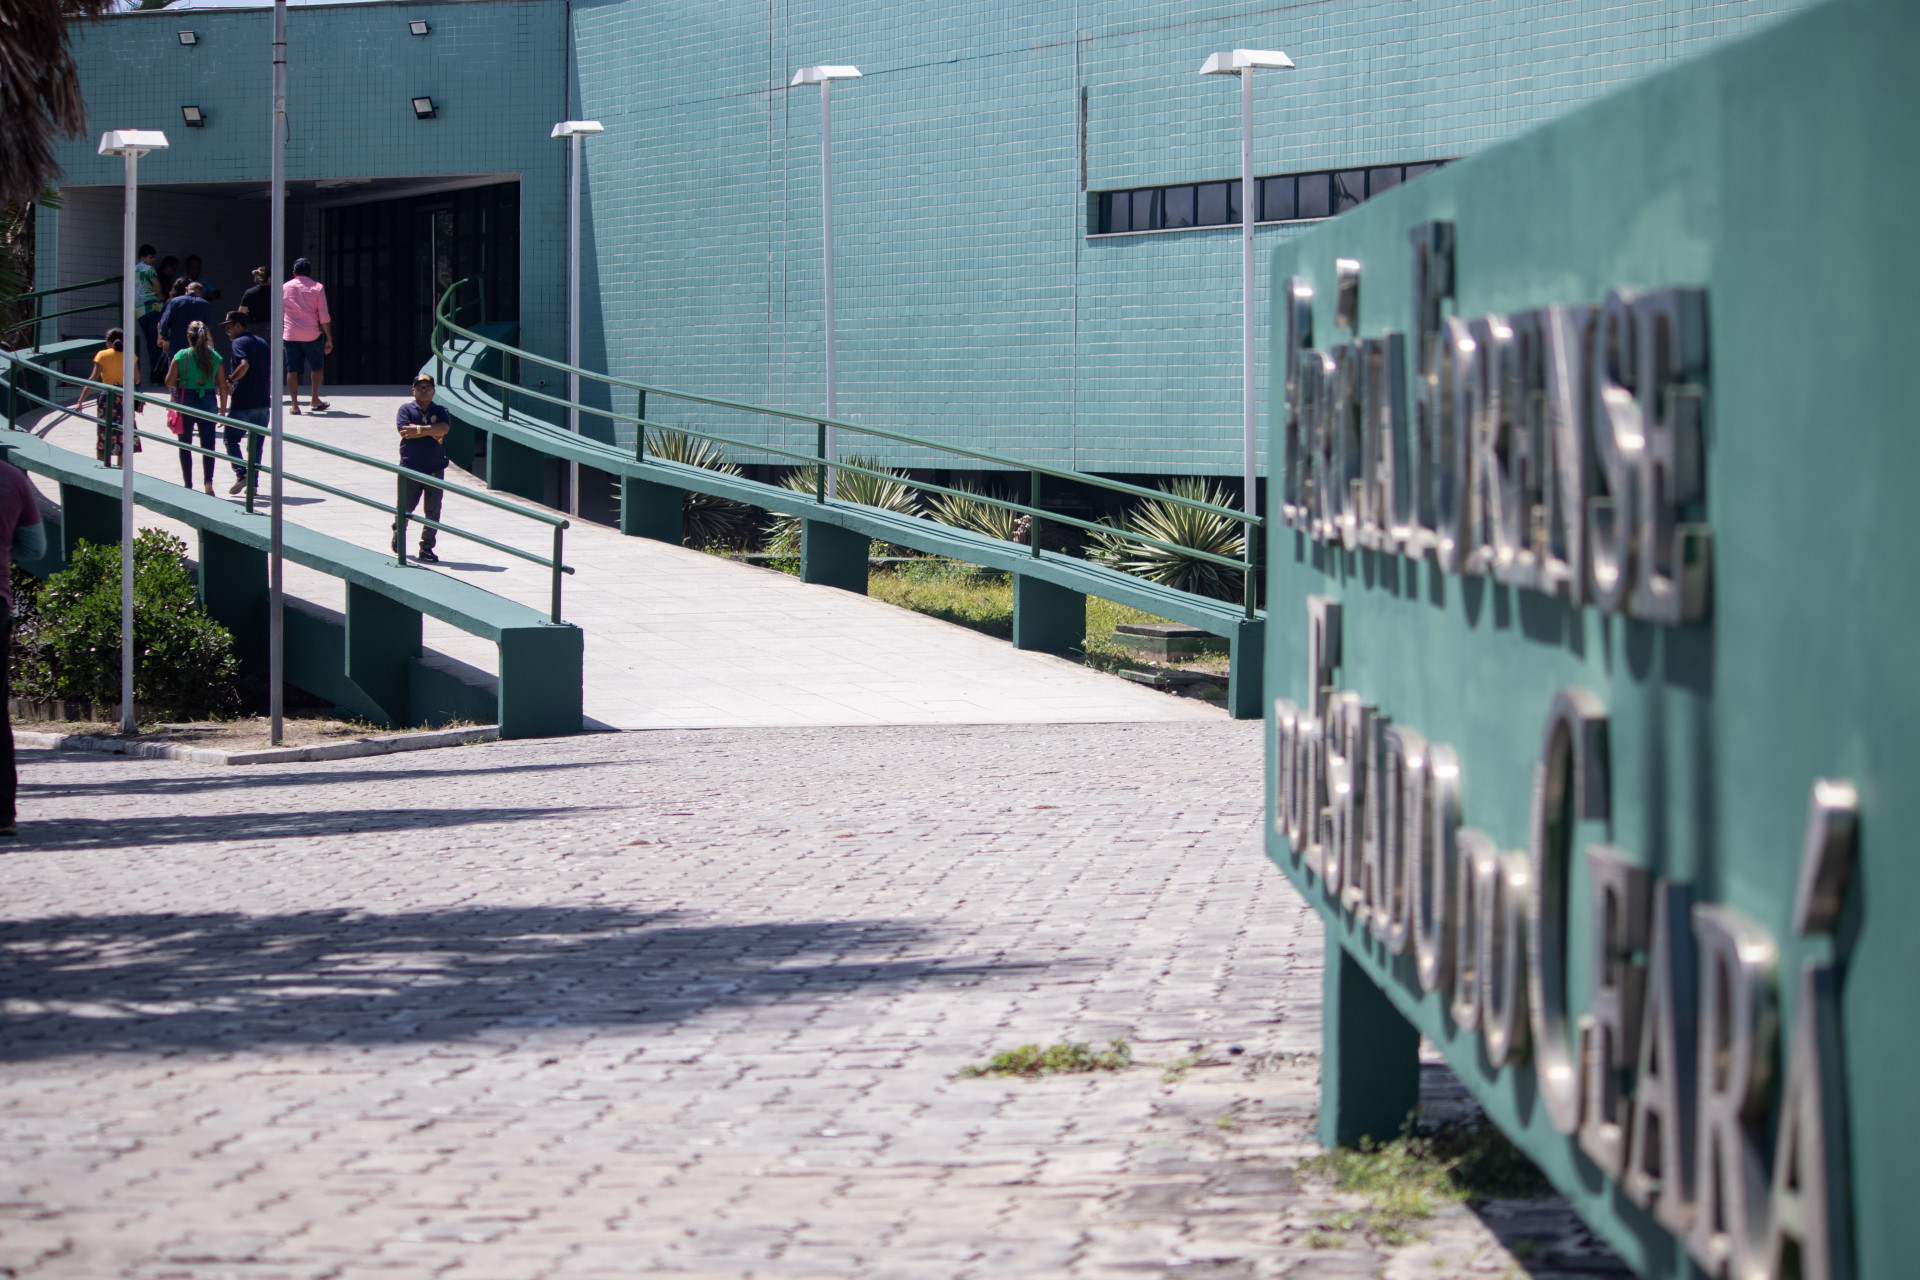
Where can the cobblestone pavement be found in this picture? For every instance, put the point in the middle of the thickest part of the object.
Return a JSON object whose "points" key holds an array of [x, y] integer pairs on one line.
{"points": [[677, 1002]]}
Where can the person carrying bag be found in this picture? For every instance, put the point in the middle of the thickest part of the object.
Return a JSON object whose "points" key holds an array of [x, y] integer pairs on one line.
{"points": [[199, 381]]}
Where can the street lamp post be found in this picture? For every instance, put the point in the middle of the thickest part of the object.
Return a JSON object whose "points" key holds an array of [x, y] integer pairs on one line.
{"points": [[276, 376], [576, 131], [1243, 63], [132, 144], [824, 76]]}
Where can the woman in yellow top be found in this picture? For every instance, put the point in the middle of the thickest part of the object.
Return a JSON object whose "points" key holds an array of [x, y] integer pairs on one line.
{"points": [[107, 368], [199, 381]]}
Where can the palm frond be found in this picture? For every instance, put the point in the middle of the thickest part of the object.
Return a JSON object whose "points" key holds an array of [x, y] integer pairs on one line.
{"points": [[978, 515], [1185, 527], [880, 491], [40, 100], [706, 519]]}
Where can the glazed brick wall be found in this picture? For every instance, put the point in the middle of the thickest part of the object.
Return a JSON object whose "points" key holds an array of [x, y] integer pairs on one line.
{"points": [[972, 306], [494, 68]]}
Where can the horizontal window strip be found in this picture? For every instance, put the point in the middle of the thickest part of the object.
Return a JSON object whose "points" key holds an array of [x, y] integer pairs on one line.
{"points": [[1286, 197]]}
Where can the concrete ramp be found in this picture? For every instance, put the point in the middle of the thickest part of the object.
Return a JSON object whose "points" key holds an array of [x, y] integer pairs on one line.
{"points": [[679, 639]]}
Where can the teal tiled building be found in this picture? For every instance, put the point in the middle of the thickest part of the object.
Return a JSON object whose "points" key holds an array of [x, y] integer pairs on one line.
{"points": [[987, 294]]}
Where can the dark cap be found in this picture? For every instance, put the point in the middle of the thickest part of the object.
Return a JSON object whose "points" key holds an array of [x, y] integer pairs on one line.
{"points": [[424, 377], [237, 317]]}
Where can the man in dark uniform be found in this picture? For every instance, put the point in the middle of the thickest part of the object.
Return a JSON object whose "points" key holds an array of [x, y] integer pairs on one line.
{"points": [[423, 431]]}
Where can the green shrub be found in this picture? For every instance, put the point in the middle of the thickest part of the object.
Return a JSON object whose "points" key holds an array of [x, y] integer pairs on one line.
{"points": [[1183, 526], [981, 517], [705, 519], [783, 534], [67, 638]]}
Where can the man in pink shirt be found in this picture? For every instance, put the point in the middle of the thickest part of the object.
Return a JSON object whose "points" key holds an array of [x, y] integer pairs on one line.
{"points": [[306, 331], [22, 535]]}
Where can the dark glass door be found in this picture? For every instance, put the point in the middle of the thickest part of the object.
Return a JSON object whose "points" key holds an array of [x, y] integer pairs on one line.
{"points": [[387, 263]]}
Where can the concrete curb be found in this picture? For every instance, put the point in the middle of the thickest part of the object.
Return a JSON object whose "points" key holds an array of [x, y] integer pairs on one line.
{"points": [[272, 755]]}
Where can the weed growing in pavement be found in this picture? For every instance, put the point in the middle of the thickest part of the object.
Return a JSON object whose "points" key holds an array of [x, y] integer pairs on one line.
{"points": [[1176, 1071], [1406, 1179], [1032, 1062]]}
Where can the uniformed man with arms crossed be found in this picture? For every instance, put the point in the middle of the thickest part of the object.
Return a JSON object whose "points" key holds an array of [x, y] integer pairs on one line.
{"points": [[423, 432]]}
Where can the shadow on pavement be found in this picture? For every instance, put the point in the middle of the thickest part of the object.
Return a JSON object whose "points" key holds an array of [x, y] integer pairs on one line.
{"points": [[207, 828], [1547, 1238], [164, 982], [128, 780]]}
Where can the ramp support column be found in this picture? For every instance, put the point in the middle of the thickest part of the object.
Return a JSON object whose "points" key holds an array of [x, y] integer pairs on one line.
{"points": [[1047, 618], [86, 516], [383, 637], [541, 675], [1369, 1057], [233, 591], [832, 556], [649, 510], [1246, 663]]}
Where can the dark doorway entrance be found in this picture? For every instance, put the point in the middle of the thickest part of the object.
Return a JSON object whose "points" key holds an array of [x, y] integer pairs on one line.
{"points": [[386, 263]]}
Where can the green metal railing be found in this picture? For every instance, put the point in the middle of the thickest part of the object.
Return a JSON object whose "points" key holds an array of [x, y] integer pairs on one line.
{"points": [[15, 393], [39, 317], [507, 389]]}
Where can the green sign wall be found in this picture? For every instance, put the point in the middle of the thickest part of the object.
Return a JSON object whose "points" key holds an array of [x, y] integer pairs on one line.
{"points": [[1593, 615]]}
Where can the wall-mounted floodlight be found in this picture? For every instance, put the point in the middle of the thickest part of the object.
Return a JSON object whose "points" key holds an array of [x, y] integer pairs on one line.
{"points": [[423, 109], [1233, 63], [193, 117], [418, 27], [189, 37]]}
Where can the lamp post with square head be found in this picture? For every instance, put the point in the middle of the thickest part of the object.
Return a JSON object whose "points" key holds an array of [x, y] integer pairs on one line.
{"points": [[575, 131], [824, 76], [1243, 63], [130, 144]]}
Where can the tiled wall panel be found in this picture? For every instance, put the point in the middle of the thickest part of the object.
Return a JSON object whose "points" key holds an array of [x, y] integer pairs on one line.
{"points": [[972, 306], [494, 68]]}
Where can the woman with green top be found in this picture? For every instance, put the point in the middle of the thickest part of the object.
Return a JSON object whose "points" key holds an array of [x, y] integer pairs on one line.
{"points": [[199, 381]]}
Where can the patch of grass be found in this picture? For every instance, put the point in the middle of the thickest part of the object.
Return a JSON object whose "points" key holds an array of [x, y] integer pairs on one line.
{"points": [[949, 591], [983, 600], [1407, 1178], [1031, 1061], [1324, 1240], [1102, 653], [1176, 1071]]}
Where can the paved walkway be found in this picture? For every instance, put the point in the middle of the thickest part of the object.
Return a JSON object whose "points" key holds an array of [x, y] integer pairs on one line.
{"points": [[677, 1003], [678, 639]]}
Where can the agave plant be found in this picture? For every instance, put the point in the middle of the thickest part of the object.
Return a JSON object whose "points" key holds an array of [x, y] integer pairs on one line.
{"points": [[1182, 526], [978, 515], [884, 492], [705, 518]]}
